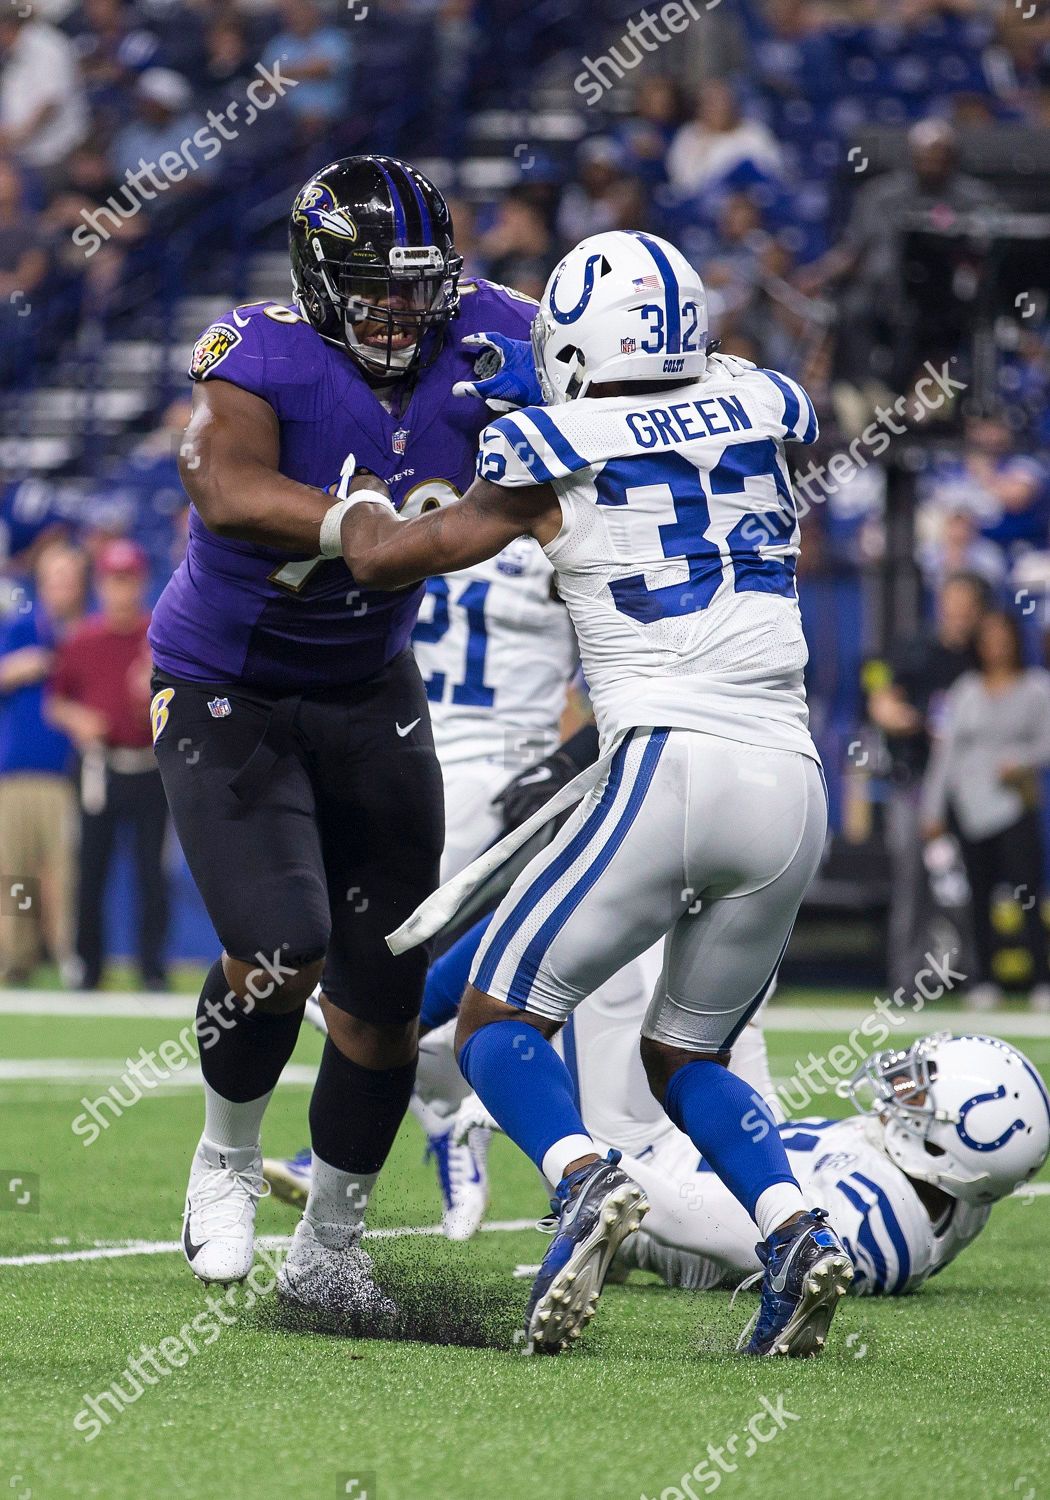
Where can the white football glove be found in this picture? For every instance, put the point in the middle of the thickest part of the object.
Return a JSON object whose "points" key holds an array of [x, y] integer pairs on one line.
{"points": [[470, 1114], [731, 364]]}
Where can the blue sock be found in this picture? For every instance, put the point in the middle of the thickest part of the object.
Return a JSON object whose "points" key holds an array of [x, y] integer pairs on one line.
{"points": [[732, 1128], [524, 1084], [447, 977]]}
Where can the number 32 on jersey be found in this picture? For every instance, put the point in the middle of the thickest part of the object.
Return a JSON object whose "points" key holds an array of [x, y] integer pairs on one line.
{"points": [[742, 522]]}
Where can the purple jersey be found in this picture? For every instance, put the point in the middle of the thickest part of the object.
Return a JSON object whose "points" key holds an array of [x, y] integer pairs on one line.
{"points": [[284, 623]]}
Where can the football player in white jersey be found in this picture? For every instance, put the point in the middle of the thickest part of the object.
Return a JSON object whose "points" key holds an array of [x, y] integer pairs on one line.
{"points": [[497, 651], [656, 482], [946, 1128]]}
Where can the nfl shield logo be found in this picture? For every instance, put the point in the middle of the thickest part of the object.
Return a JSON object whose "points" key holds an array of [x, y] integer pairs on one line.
{"points": [[219, 708], [628, 346], [399, 439]]}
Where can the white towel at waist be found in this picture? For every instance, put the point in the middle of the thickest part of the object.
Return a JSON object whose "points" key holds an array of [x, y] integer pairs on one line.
{"points": [[439, 909]]}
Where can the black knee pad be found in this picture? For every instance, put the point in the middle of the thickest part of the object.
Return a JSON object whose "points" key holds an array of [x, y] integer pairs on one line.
{"points": [[391, 997]]}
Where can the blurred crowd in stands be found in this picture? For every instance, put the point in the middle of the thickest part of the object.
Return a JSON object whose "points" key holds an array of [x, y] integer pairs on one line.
{"points": [[738, 137], [135, 166], [859, 182]]}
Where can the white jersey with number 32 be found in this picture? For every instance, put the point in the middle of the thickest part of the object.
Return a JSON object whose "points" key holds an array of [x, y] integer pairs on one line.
{"points": [[676, 556]]}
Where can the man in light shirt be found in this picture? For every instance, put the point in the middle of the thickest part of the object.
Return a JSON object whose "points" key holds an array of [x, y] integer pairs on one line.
{"points": [[43, 114]]}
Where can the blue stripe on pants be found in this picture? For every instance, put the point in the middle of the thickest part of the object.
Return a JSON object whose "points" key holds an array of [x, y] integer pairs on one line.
{"points": [[568, 1042], [554, 871], [525, 975]]}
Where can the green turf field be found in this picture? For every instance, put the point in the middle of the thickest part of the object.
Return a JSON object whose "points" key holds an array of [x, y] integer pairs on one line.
{"points": [[943, 1395]]}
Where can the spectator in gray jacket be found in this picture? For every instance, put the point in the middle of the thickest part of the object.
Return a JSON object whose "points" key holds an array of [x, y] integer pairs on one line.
{"points": [[984, 778]]}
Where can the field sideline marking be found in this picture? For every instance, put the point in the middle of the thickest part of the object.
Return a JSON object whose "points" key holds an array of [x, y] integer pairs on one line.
{"points": [[86, 1070], [270, 1241], [131, 1004], [282, 1241]]}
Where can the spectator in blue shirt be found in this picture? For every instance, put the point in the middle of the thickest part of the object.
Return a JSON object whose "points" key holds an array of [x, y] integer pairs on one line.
{"points": [[1004, 490], [319, 58], [37, 802], [156, 138]]}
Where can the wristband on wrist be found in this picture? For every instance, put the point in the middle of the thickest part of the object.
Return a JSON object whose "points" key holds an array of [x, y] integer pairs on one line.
{"points": [[331, 541]]}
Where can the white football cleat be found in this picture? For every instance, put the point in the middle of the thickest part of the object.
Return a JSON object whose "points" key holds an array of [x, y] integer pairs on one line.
{"points": [[463, 1174], [677, 1268], [334, 1280], [470, 1114], [218, 1226], [1039, 1000]]}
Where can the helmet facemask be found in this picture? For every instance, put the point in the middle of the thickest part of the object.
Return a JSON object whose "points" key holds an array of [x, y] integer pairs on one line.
{"points": [[539, 343], [897, 1082], [574, 381], [391, 316]]}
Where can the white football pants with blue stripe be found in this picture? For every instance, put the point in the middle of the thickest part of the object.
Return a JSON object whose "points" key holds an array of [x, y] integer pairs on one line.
{"points": [[711, 842]]}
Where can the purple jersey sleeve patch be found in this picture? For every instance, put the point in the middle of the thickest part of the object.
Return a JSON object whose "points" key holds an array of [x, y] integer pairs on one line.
{"points": [[269, 350]]}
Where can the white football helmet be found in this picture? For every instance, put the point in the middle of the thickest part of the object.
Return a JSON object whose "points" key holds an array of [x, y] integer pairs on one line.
{"points": [[968, 1114], [621, 306]]}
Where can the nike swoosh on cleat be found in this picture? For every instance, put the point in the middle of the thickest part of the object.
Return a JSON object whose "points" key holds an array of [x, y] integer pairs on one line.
{"points": [[191, 1249], [407, 729], [779, 1282]]}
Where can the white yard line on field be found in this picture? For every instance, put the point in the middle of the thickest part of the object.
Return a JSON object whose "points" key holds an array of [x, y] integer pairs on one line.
{"points": [[812, 1017], [270, 1241], [84, 1070], [844, 1018], [126, 1004], [128, 1248]]}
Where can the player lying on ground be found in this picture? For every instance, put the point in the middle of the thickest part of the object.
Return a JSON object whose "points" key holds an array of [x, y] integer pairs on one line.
{"points": [[656, 483], [599, 1044], [290, 720], [947, 1127]]}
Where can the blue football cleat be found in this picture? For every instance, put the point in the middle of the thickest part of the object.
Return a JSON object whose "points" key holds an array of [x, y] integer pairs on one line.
{"points": [[290, 1180], [807, 1271], [594, 1209]]}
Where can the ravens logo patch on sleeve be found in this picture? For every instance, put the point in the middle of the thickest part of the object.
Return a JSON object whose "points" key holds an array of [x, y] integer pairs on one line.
{"points": [[212, 348]]}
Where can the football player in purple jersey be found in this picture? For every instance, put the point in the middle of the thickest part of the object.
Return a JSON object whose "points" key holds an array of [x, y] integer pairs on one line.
{"points": [[289, 718]]}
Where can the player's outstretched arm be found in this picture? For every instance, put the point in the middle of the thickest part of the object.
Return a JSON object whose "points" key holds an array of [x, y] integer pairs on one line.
{"points": [[228, 463], [383, 552]]}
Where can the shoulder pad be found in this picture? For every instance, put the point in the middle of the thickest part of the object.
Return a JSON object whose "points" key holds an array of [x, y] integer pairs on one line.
{"points": [[527, 447], [486, 306], [792, 407], [252, 329]]}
